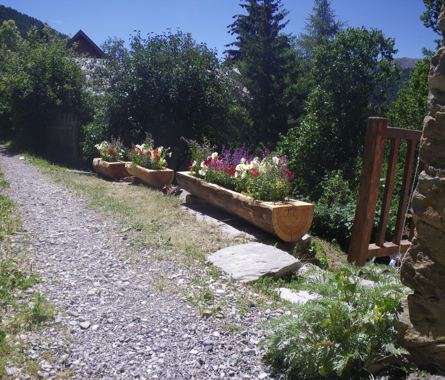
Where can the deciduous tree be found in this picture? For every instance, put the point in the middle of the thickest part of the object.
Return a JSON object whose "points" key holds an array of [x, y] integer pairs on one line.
{"points": [[167, 85], [346, 72]]}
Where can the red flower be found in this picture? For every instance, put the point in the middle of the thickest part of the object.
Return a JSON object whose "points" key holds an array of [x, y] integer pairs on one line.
{"points": [[156, 154], [148, 153], [129, 158], [255, 172], [230, 171], [287, 175], [143, 164], [111, 151]]}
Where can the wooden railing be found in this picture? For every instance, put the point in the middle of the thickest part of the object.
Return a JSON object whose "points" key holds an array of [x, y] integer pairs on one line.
{"points": [[360, 248]]}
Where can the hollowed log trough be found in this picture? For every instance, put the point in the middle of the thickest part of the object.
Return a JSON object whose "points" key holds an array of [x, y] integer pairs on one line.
{"points": [[114, 170], [288, 220], [155, 178]]}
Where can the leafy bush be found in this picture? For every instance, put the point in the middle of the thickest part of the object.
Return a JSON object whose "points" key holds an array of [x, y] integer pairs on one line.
{"points": [[344, 331], [335, 210], [168, 84], [40, 78]]}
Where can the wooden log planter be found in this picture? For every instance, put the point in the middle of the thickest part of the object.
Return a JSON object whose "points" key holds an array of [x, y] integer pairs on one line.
{"points": [[288, 220], [114, 170], [155, 178]]}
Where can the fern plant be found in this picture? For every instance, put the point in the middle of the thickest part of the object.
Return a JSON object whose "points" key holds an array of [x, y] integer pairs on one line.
{"points": [[341, 333]]}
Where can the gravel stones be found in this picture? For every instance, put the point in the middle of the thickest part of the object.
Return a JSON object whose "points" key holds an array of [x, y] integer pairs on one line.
{"points": [[120, 326]]}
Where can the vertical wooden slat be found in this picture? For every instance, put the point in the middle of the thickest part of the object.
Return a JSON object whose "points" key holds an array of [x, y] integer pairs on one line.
{"points": [[368, 191], [387, 195], [411, 149]]}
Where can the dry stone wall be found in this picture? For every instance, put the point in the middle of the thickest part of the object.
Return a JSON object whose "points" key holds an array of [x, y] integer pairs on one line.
{"points": [[421, 315]]}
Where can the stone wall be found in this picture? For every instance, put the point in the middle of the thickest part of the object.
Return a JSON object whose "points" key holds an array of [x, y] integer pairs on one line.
{"points": [[421, 315]]}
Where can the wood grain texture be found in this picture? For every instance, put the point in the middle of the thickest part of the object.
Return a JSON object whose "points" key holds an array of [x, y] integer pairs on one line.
{"points": [[288, 220], [114, 170], [155, 178]]}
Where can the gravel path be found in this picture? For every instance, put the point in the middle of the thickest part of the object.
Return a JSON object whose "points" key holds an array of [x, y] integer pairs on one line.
{"points": [[117, 325]]}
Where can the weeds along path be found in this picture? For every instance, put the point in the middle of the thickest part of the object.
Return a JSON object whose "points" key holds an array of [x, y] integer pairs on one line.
{"points": [[118, 326]]}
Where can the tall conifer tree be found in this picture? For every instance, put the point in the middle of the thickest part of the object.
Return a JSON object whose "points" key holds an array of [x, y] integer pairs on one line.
{"points": [[262, 54], [321, 27]]}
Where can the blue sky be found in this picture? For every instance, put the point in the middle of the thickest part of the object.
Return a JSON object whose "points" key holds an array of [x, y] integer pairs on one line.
{"points": [[207, 20]]}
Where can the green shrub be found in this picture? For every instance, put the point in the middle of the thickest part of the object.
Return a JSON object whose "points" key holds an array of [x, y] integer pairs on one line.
{"points": [[342, 333]]}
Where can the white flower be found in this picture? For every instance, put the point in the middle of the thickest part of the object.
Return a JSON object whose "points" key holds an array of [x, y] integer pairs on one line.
{"points": [[214, 155], [160, 149], [170, 154], [243, 160], [203, 165], [203, 171], [276, 160]]}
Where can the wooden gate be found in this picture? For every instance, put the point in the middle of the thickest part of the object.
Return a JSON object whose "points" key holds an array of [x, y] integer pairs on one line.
{"points": [[360, 248]]}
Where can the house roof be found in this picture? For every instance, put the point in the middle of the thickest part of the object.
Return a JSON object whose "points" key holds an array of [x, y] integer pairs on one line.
{"points": [[85, 45]]}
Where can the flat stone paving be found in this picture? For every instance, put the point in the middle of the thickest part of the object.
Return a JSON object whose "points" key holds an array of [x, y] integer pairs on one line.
{"points": [[248, 262]]}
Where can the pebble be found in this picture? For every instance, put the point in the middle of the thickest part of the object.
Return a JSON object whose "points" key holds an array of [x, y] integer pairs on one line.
{"points": [[136, 331]]}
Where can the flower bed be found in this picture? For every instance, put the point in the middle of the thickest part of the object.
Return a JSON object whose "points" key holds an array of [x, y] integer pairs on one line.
{"points": [[255, 189], [109, 164], [149, 164], [288, 220], [264, 179]]}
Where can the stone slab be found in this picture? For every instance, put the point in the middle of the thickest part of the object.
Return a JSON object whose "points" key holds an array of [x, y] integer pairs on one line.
{"points": [[300, 297], [249, 262]]}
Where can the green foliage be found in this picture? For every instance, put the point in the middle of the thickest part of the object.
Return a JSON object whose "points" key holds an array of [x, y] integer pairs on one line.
{"points": [[169, 85], [38, 310], [268, 68], [335, 210], [431, 16], [342, 333], [40, 77], [11, 280], [346, 72], [410, 108]]}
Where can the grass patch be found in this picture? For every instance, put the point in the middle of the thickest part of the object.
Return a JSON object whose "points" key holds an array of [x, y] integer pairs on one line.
{"points": [[149, 220]]}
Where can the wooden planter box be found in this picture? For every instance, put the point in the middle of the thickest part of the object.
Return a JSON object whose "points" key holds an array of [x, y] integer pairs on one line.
{"points": [[288, 220], [115, 170], [155, 178]]}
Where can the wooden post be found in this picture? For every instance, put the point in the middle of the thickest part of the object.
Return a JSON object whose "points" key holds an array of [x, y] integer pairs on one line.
{"points": [[368, 191], [411, 148], [389, 185]]}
